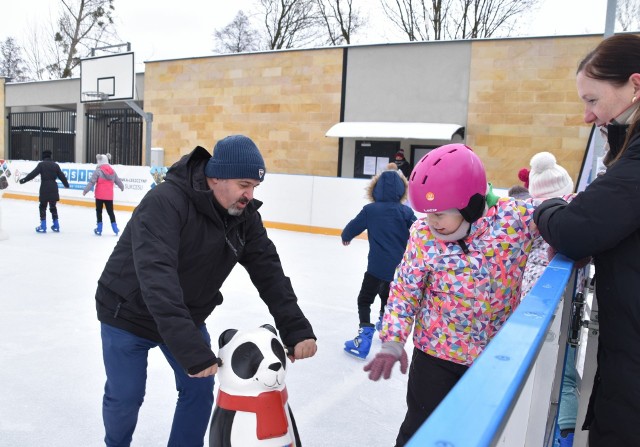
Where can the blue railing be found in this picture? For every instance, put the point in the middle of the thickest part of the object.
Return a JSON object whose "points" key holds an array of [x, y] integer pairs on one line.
{"points": [[476, 410]]}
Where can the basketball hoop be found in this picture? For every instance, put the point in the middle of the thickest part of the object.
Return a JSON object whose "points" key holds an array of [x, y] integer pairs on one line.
{"points": [[94, 100]]}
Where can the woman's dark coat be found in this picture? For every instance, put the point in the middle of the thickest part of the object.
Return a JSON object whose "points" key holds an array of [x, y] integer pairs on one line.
{"points": [[604, 222], [164, 276], [49, 171]]}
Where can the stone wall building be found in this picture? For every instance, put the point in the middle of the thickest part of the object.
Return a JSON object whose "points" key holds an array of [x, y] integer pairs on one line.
{"points": [[507, 98]]}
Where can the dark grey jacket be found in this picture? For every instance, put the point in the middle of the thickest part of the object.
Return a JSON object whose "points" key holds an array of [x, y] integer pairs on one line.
{"points": [[164, 276], [604, 222]]}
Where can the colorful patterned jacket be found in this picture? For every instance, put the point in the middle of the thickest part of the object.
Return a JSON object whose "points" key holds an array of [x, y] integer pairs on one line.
{"points": [[460, 300]]}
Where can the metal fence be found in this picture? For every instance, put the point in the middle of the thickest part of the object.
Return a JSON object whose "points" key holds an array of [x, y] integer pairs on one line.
{"points": [[114, 131], [31, 133]]}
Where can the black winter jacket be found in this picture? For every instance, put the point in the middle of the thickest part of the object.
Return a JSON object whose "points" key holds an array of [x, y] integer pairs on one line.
{"points": [[49, 171], [604, 222], [164, 276]]}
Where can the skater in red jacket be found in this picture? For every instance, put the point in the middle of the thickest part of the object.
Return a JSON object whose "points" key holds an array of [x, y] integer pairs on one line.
{"points": [[104, 178]]}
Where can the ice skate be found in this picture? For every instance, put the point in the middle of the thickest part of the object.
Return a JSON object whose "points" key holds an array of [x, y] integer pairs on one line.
{"points": [[55, 227], [43, 227], [98, 229], [379, 323], [566, 441], [361, 345]]}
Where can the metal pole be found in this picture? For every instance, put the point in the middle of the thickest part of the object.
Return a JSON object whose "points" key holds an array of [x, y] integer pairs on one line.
{"points": [[610, 21], [148, 119]]}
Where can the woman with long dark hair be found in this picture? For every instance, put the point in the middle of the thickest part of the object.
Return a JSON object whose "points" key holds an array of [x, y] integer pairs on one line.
{"points": [[604, 222]]}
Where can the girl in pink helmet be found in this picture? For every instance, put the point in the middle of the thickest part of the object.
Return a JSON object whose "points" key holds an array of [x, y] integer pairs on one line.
{"points": [[458, 281]]}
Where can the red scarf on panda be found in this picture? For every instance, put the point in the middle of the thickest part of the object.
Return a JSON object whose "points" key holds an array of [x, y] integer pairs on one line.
{"points": [[269, 408]]}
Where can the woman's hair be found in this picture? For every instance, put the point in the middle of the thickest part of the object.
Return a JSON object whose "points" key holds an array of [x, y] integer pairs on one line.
{"points": [[614, 60]]}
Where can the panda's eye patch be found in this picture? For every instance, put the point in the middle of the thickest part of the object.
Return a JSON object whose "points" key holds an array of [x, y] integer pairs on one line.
{"points": [[246, 360], [278, 350]]}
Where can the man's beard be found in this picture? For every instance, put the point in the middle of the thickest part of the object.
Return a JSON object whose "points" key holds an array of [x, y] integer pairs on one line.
{"points": [[234, 210]]}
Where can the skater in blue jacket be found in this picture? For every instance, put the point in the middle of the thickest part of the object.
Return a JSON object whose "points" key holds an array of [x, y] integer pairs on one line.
{"points": [[387, 221]]}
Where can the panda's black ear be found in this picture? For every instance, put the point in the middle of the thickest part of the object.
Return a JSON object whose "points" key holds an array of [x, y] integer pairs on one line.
{"points": [[270, 328], [226, 337]]}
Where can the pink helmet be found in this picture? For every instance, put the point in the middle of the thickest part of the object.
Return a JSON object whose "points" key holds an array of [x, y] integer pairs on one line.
{"points": [[451, 176]]}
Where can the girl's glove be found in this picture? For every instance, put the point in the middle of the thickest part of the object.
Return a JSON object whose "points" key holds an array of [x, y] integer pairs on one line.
{"points": [[382, 363]]}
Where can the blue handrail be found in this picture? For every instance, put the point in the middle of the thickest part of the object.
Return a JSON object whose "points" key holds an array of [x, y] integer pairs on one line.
{"points": [[475, 411]]}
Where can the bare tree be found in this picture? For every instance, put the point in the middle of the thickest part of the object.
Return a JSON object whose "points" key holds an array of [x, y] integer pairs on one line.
{"points": [[485, 18], [340, 20], [11, 62], [404, 15], [81, 26], [290, 23], [237, 37], [628, 14], [38, 46], [455, 19]]}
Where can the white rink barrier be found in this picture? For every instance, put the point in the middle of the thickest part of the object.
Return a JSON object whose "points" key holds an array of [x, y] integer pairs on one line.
{"points": [[322, 205]]}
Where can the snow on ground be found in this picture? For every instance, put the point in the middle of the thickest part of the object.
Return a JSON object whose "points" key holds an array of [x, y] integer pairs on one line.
{"points": [[51, 372]]}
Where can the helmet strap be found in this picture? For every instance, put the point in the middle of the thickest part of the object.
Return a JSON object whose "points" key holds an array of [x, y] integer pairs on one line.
{"points": [[460, 233]]}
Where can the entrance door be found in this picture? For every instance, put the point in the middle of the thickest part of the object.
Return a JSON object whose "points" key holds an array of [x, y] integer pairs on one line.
{"points": [[373, 157], [419, 151]]}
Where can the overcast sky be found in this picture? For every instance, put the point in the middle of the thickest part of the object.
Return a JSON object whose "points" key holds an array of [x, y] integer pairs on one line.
{"points": [[162, 29]]}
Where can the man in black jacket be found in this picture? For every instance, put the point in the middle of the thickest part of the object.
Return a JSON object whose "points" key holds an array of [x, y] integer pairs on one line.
{"points": [[163, 280], [403, 164]]}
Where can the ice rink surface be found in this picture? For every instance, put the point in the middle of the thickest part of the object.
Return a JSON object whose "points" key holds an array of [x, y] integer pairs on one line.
{"points": [[51, 372]]}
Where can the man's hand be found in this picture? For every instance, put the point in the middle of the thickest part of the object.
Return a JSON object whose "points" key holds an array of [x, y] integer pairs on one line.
{"points": [[210, 371], [345, 243], [304, 349]]}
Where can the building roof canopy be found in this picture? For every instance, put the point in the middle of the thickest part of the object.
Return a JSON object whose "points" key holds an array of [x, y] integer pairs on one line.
{"points": [[417, 131]]}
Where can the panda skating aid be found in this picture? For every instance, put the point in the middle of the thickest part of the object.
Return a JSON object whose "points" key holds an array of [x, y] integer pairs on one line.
{"points": [[252, 404]]}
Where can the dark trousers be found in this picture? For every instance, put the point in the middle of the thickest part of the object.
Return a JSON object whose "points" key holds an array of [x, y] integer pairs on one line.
{"points": [[52, 207], [371, 286], [108, 204], [125, 362], [430, 380]]}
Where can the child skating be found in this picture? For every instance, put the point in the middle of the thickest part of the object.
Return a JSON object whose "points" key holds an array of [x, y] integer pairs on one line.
{"points": [[104, 177], [387, 221], [458, 281]]}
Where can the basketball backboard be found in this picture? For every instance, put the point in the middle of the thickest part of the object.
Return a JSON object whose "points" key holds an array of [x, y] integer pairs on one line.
{"points": [[107, 78]]}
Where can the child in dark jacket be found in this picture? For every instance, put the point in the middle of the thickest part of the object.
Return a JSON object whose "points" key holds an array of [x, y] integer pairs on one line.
{"points": [[49, 171], [387, 221], [104, 177]]}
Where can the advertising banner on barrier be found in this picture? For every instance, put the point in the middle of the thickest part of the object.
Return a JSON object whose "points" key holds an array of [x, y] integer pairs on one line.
{"points": [[137, 180]]}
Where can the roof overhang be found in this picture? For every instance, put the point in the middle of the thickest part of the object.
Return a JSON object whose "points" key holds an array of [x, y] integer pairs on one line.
{"points": [[417, 131]]}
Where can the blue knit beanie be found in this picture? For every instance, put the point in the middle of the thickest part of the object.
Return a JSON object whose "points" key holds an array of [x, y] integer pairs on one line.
{"points": [[236, 156]]}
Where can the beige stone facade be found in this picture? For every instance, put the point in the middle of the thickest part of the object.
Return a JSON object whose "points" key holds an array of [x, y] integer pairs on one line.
{"points": [[520, 98], [284, 101], [3, 122], [523, 100]]}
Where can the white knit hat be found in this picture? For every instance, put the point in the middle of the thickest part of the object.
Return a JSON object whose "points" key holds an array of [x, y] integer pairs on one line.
{"points": [[103, 159], [547, 178]]}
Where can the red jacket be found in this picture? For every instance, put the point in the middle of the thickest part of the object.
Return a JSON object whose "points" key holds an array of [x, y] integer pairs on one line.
{"points": [[104, 178]]}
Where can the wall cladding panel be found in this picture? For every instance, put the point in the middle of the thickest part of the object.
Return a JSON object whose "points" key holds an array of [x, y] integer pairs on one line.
{"points": [[413, 82], [523, 100], [285, 101]]}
